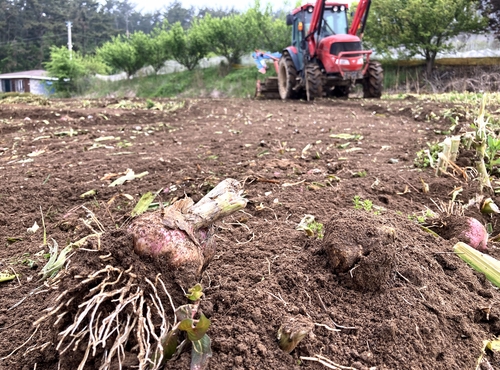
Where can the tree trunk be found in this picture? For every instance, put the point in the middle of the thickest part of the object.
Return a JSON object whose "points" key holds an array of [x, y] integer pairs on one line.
{"points": [[430, 60]]}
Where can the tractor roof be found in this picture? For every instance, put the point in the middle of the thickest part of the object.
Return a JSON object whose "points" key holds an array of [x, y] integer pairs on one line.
{"points": [[328, 4]]}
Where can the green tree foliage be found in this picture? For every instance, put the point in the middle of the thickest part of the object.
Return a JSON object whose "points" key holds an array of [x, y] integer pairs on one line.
{"points": [[230, 36], [160, 51], [64, 67], [153, 48], [215, 12], [94, 65], [69, 70], [142, 44], [123, 54], [273, 33], [31, 27], [28, 28], [189, 46], [420, 27]]}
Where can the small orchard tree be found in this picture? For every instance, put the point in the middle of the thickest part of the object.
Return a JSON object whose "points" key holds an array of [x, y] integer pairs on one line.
{"points": [[70, 70], [160, 51], [94, 65], [143, 46], [124, 54], [276, 36], [187, 46], [231, 36], [273, 33], [421, 27]]}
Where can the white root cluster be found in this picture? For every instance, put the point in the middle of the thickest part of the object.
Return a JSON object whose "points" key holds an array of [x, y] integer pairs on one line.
{"points": [[133, 316]]}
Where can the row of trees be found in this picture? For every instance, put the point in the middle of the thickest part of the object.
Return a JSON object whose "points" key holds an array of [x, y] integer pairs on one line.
{"points": [[425, 28], [403, 27], [29, 28], [230, 36]]}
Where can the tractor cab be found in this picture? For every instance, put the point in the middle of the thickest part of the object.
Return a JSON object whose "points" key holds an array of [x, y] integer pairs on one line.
{"points": [[339, 52], [326, 57], [334, 20], [332, 44]]}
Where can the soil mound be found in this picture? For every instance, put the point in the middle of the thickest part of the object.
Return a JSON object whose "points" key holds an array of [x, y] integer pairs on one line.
{"points": [[404, 303]]}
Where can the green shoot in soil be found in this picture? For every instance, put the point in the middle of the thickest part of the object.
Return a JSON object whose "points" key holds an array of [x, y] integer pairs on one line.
{"points": [[56, 261], [194, 329], [427, 157], [48, 269], [421, 219], [492, 151], [31, 263], [144, 203], [367, 205], [311, 227], [360, 174]]}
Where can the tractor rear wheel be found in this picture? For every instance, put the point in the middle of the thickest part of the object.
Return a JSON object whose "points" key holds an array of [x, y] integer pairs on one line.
{"points": [[315, 80], [373, 81], [287, 77]]}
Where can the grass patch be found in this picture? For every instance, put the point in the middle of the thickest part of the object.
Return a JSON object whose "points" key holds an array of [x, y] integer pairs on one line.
{"points": [[239, 82], [400, 77], [467, 98], [212, 81]]}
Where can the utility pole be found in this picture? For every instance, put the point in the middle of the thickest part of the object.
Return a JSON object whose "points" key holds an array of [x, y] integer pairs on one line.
{"points": [[126, 23], [70, 45]]}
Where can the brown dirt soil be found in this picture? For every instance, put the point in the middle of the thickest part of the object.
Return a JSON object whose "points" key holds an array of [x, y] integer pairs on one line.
{"points": [[408, 303]]}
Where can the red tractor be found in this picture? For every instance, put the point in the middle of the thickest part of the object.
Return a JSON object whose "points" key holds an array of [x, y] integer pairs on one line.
{"points": [[326, 57]]}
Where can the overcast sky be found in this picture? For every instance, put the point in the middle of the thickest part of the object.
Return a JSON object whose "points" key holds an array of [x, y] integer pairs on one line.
{"points": [[151, 5]]}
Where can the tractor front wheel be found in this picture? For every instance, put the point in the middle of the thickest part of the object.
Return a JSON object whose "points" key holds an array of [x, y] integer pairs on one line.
{"points": [[373, 81], [314, 80], [287, 77]]}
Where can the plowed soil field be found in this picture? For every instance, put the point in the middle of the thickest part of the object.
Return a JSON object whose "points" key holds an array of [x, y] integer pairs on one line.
{"points": [[407, 302]]}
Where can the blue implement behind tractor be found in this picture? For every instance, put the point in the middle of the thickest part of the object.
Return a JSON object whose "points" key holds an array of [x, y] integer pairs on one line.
{"points": [[262, 57], [269, 88]]}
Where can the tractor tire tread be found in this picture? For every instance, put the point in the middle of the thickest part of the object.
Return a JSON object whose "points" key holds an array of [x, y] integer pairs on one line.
{"points": [[315, 77], [373, 81], [287, 77]]}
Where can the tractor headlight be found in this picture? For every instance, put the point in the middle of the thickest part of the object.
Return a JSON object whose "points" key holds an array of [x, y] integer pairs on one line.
{"points": [[359, 61], [343, 62], [342, 8]]}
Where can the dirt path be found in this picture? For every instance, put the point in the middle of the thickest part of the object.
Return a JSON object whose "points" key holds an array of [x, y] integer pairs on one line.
{"points": [[408, 304]]}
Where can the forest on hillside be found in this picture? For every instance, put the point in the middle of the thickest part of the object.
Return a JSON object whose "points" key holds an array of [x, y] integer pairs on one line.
{"points": [[28, 28], [126, 38]]}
